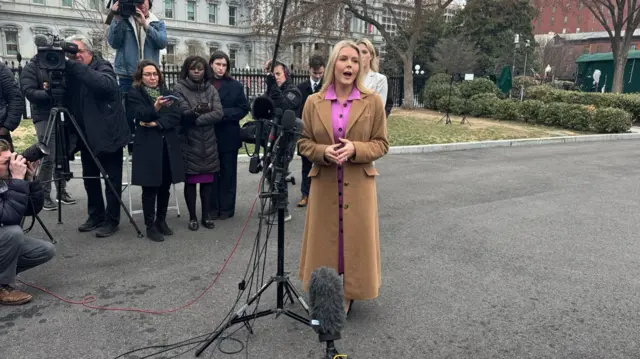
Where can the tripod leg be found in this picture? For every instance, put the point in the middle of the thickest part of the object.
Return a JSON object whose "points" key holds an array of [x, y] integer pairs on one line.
{"points": [[46, 230], [105, 175]]}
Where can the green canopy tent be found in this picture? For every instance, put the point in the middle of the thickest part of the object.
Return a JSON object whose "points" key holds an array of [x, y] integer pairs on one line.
{"points": [[587, 64]]}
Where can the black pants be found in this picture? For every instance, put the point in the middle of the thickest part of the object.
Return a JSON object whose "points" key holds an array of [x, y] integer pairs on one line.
{"points": [[155, 200], [223, 198], [112, 164], [305, 181]]}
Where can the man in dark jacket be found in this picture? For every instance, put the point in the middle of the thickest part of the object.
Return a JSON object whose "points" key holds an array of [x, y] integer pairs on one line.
{"points": [[11, 103], [93, 98], [20, 196], [34, 85], [311, 86]]}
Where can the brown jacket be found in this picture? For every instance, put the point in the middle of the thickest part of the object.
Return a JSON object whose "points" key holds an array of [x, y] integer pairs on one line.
{"points": [[367, 129]]}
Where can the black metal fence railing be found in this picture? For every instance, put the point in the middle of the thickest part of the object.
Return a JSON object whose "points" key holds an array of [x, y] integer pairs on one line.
{"points": [[254, 84]]}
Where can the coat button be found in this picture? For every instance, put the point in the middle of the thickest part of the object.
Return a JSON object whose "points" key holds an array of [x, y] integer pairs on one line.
{"points": [[346, 206], [346, 183]]}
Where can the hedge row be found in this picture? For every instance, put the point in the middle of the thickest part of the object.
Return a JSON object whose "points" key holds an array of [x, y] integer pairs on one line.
{"points": [[569, 116], [581, 111], [548, 94]]}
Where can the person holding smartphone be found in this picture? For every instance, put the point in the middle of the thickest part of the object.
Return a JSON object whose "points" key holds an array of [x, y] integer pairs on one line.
{"points": [[157, 160], [201, 111]]}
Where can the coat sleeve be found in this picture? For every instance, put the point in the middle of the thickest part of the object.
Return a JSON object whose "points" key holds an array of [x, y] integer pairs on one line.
{"points": [[115, 34], [169, 117], [101, 81], [32, 88], [10, 90], [137, 109], [241, 108], [378, 145], [187, 113], [14, 201], [308, 147], [214, 116], [157, 34]]}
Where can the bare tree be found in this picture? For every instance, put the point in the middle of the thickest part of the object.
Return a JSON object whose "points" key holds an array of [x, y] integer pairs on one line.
{"points": [[455, 56], [404, 44], [619, 18], [94, 16]]}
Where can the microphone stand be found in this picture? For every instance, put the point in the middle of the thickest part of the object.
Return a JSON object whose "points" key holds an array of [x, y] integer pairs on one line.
{"points": [[279, 170]]}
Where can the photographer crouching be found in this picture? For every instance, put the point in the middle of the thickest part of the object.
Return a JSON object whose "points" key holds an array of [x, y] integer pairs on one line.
{"points": [[93, 98], [20, 195]]}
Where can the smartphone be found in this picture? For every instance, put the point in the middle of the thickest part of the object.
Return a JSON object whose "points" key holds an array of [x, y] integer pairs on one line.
{"points": [[170, 97]]}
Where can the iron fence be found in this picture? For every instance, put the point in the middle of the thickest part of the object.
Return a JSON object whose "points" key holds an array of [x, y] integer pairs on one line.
{"points": [[254, 83]]}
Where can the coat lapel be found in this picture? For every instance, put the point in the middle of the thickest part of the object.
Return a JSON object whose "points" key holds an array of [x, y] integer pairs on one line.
{"points": [[324, 112], [357, 107]]}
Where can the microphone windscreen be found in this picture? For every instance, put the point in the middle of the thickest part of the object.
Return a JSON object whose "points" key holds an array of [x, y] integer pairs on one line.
{"points": [[288, 120], [327, 300], [41, 40], [262, 108]]}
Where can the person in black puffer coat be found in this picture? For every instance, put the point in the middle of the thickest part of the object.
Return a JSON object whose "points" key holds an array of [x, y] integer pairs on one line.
{"points": [[201, 109]]}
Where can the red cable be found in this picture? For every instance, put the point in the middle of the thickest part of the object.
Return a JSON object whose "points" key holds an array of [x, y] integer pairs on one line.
{"points": [[90, 299]]}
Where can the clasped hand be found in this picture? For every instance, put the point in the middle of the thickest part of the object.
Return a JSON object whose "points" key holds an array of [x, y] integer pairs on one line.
{"points": [[340, 152], [20, 168]]}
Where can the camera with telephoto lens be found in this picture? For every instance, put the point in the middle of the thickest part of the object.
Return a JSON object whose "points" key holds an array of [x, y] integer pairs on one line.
{"points": [[127, 8], [35, 152]]}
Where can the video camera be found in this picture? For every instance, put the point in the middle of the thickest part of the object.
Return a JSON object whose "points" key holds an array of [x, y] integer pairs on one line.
{"points": [[271, 130], [126, 8], [52, 52]]}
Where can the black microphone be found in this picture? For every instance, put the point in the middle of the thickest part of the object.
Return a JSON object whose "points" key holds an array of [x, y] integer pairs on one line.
{"points": [[288, 120], [327, 306], [42, 40], [262, 108], [277, 120]]}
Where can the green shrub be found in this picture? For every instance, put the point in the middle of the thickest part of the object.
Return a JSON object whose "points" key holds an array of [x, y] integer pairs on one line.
{"points": [[526, 81], [460, 106], [439, 78], [477, 86], [483, 104], [506, 110], [611, 120], [435, 95], [529, 110], [577, 117], [553, 114]]}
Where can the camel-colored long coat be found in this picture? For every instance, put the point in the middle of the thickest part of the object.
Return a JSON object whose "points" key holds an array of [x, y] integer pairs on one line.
{"points": [[367, 129]]}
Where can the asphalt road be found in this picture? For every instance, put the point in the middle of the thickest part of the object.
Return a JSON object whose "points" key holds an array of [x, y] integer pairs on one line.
{"points": [[528, 252]]}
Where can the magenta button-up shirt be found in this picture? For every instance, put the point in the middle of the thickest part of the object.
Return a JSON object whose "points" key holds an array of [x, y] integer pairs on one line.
{"points": [[339, 120]]}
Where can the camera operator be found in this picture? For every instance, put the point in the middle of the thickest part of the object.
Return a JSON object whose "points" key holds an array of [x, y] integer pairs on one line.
{"points": [[11, 103], [285, 96], [34, 85], [94, 100], [20, 196], [136, 38]]}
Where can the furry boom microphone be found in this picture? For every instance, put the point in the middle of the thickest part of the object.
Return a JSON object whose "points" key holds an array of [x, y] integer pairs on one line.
{"points": [[327, 307]]}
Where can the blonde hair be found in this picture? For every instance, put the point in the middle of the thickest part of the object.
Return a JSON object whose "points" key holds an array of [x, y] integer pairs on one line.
{"points": [[329, 74], [373, 65]]}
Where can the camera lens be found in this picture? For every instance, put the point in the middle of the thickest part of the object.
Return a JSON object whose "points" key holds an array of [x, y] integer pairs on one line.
{"points": [[53, 60]]}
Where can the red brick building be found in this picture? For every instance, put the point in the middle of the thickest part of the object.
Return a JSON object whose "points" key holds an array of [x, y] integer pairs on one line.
{"points": [[566, 17]]}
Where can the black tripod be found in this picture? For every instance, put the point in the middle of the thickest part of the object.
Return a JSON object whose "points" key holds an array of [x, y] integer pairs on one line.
{"points": [[57, 120], [277, 193], [446, 118]]}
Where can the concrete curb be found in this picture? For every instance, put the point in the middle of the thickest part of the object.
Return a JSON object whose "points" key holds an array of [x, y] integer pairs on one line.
{"points": [[460, 146]]}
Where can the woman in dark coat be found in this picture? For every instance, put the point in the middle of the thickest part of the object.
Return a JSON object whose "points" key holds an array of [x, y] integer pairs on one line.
{"points": [[201, 110], [157, 160], [235, 106]]}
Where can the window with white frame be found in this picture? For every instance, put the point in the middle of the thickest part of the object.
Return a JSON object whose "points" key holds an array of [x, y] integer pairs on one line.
{"points": [[40, 2], [94, 4], [232, 58], [171, 54], [191, 10], [11, 47], [232, 15], [168, 9], [213, 12], [67, 3]]}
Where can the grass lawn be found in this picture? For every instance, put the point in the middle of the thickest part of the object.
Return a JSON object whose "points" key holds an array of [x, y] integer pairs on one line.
{"points": [[405, 127]]}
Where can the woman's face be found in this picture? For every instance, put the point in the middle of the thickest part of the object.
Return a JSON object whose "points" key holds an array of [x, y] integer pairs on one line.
{"points": [[347, 66], [365, 56], [150, 76], [196, 72]]}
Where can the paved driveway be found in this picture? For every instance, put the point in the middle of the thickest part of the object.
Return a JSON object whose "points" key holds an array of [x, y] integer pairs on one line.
{"points": [[527, 252]]}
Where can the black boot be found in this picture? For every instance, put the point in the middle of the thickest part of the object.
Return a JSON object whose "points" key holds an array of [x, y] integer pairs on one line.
{"points": [[161, 213], [149, 212]]}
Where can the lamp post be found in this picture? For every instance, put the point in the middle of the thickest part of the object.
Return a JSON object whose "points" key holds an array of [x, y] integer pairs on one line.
{"points": [[516, 46], [527, 43]]}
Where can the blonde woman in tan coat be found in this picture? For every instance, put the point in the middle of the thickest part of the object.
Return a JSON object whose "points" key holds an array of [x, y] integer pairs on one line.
{"points": [[344, 132]]}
